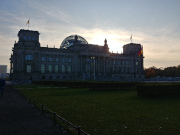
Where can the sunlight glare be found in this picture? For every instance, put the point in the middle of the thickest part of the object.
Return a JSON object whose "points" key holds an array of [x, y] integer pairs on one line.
{"points": [[112, 41]]}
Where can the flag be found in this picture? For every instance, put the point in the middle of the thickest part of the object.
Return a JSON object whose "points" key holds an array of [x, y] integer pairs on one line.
{"points": [[140, 52], [27, 22]]}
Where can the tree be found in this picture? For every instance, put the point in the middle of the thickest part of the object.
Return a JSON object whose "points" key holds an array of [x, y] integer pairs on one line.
{"points": [[149, 73], [166, 72], [170, 71]]}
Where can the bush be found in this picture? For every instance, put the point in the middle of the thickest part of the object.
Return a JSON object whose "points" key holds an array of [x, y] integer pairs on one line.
{"points": [[111, 85], [156, 90], [92, 85], [70, 84]]}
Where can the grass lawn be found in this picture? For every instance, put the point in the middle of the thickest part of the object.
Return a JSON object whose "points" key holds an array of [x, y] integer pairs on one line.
{"points": [[110, 112]]}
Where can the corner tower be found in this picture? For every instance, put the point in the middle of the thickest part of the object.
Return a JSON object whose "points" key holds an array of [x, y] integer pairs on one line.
{"points": [[28, 38], [131, 48]]}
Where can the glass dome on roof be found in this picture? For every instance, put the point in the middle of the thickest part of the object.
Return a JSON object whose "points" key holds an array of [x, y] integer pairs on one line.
{"points": [[71, 40]]}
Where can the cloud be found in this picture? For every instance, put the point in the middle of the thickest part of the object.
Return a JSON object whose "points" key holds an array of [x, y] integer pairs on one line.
{"points": [[55, 22], [50, 11]]}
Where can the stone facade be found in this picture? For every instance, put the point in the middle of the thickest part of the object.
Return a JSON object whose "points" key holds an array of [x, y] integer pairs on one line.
{"points": [[29, 61]]}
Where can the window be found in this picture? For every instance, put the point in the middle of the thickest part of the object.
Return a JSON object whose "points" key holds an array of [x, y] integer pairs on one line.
{"points": [[63, 68], [114, 62], [42, 68], [70, 60], [69, 69], [127, 62], [113, 69], [50, 58], [120, 70], [128, 70], [57, 59], [50, 68], [28, 68], [33, 38], [124, 69], [118, 62], [56, 69], [63, 60], [25, 38], [137, 63], [29, 38], [137, 70], [29, 57], [43, 58]]}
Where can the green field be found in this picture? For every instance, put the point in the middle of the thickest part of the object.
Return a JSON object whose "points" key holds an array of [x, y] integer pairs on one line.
{"points": [[110, 112]]}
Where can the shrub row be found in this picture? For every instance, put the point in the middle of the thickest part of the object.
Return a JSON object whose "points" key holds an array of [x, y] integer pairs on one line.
{"points": [[71, 84], [156, 90], [111, 85], [92, 85]]}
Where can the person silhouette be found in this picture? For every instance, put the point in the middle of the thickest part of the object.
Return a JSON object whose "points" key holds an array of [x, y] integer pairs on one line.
{"points": [[2, 83]]}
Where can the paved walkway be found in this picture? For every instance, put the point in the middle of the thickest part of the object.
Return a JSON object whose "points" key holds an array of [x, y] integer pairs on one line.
{"points": [[18, 117]]}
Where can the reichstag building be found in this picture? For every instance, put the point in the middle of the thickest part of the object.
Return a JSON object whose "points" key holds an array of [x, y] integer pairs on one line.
{"points": [[75, 59]]}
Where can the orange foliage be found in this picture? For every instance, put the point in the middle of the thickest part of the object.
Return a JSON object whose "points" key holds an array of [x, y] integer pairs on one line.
{"points": [[150, 73]]}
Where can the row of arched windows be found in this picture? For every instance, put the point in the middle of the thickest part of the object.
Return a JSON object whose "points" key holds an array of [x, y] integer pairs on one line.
{"points": [[43, 58], [119, 62], [56, 68], [29, 38], [119, 70], [30, 57]]}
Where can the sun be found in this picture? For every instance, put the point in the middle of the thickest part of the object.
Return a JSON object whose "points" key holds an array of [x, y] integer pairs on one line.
{"points": [[114, 45], [98, 39]]}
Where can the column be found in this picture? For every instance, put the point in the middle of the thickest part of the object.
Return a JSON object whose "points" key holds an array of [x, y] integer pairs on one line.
{"points": [[98, 66], [22, 63], [36, 62], [104, 66], [81, 64]]}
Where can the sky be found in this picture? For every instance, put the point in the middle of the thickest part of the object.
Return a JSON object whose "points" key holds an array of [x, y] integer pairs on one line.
{"points": [[155, 24]]}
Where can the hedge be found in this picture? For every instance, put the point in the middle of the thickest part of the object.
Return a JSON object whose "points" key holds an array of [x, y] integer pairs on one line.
{"points": [[111, 85], [71, 84], [92, 85], [159, 89]]}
